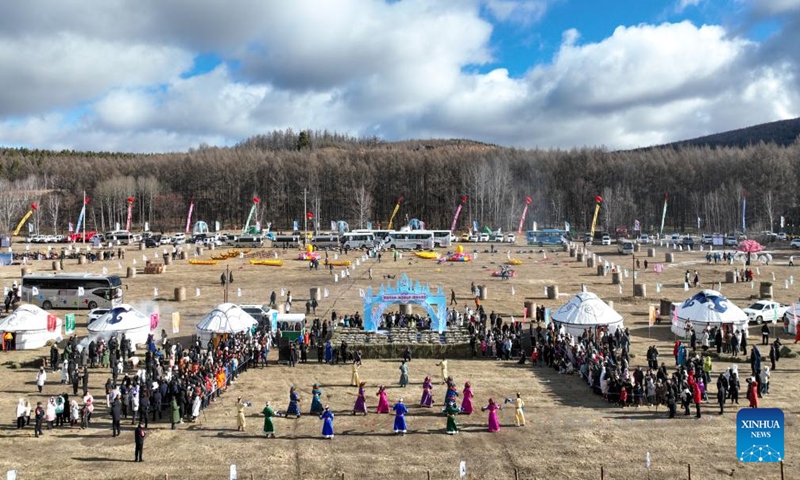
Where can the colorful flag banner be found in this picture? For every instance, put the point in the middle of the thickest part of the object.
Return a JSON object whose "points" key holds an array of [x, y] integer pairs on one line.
{"points": [[130, 214], [664, 213], [598, 201], [744, 211], [34, 207], [69, 319], [189, 217], [566, 226], [176, 322], [651, 313], [637, 226], [256, 201], [458, 212], [51, 323], [394, 212], [522, 219], [153, 321]]}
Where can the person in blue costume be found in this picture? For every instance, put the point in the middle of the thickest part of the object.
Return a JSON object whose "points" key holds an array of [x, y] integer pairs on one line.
{"points": [[400, 412], [327, 423], [316, 404], [294, 403], [328, 352]]}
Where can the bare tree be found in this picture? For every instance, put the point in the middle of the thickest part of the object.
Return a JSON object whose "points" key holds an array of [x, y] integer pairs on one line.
{"points": [[769, 208], [53, 208], [362, 205]]}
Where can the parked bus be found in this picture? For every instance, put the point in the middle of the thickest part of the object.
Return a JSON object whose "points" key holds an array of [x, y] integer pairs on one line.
{"points": [[63, 290], [545, 237], [443, 238], [413, 240], [249, 241], [325, 241], [355, 240], [123, 237]]}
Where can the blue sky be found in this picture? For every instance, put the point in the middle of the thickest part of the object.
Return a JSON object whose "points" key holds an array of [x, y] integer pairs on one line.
{"points": [[524, 73]]}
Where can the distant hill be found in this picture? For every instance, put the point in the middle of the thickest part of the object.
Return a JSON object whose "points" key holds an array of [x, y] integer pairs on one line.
{"points": [[783, 133]]}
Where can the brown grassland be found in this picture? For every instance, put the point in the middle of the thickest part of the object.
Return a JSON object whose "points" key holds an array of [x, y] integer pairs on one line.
{"points": [[570, 433]]}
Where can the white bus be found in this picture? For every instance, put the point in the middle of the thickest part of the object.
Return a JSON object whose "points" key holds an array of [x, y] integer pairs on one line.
{"points": [[287, 241], [379, 235], [443, 238], [123, 237], [62, 290], [354, 240], [249, 241], [325, 241], [413, 240]]}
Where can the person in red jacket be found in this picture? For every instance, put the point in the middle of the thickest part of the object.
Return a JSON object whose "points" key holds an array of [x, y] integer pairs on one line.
{"points": [[752, 392], [697, 397]]}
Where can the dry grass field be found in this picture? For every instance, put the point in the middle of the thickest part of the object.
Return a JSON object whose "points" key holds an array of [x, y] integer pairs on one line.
{"points": [[570, 431]]}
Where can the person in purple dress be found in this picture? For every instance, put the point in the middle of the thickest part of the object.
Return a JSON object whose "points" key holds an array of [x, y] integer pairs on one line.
{"points": [[400, 412], [327, 423], [427, 393], [492, 408], [466, 402], [361, 400]]}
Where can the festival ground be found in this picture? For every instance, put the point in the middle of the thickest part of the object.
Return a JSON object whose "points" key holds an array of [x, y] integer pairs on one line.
{"points": [[570, 431]]}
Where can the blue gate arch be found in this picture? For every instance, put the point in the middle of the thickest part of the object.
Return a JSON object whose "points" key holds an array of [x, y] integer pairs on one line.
{"points": [[405, 292]]}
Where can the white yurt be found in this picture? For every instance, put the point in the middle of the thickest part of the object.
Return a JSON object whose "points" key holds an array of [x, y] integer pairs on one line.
{"points": [[28, 324], [121, 319], [708, 307], [225, 318], [586, 310]]}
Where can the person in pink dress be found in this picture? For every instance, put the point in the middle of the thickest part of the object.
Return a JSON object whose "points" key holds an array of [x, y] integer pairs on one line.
{"points": [[427, 393], [383, 402], [492, 408], [466, 403], [361, 400]]}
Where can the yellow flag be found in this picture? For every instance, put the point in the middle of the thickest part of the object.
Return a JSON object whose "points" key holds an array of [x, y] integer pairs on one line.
{"points": [[651, 311], [176, 322]]}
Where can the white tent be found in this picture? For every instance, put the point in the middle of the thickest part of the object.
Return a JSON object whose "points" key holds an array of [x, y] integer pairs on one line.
{"points": [[586, 310], [708, 307], [29, 325], [122, 319], [224, 318]]}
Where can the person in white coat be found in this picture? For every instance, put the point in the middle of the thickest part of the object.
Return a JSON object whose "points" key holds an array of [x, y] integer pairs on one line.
{"points": [[21, 413], [41, 377]]}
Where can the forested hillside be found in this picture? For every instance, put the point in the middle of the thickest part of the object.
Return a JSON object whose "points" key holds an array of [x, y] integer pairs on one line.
{"points": [[359, 180]]}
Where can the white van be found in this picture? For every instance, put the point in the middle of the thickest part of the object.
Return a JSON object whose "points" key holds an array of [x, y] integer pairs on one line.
{"points": [[249, 241], [625, 247], [354, 240], [123, 237]]}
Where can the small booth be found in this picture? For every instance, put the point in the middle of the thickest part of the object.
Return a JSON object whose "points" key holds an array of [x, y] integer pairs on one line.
{"points": [[224, 319], [292, 327], [123, 319], [587, 311]]}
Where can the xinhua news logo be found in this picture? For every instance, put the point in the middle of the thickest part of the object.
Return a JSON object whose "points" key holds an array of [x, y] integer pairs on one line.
{"points": [[759, 435]]}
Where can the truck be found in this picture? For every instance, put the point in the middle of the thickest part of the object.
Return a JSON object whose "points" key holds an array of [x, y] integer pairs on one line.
{"points": [[765, 310]]}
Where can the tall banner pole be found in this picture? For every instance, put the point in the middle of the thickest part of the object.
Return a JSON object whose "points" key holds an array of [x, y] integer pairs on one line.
{"points": [[598, 200], [524, 213], [458, 212], [744, 211], [664, 213], [34, 207], [189, 217], [130, 213], [394, 212]]}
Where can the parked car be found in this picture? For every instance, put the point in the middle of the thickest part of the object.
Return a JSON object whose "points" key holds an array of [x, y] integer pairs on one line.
{"points": [[96, 313], [782, 236], [795, 243], [731, 241], [644, 239], [688, 241], [765, 310], [511, 238], [606, 240], [483, 237], [151, 242], [165, 240], [707, 239], [676, 238]]}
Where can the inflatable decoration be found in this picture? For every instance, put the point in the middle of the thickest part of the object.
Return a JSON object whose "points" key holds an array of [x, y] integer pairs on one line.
{"points": [[460, 256], [267, 262], [427, 255], [309, 254], [514, 261], [203, 262]]}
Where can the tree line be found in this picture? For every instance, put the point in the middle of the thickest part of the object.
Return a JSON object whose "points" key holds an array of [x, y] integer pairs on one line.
{"points": [[359, 180]]}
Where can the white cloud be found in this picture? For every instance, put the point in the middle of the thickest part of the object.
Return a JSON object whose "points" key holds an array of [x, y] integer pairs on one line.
{"points": [[399, 70], [518, 11], [684, 4]]}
